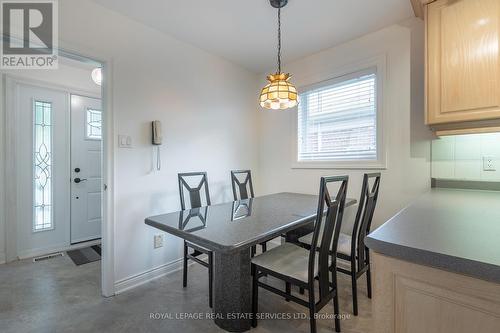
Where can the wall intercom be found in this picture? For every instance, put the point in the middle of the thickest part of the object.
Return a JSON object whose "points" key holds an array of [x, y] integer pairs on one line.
{"points": [[157, 139], [156, 130]]}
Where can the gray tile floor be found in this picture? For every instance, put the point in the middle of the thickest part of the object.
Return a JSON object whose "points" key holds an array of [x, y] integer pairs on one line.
{"points": [[57, 296]]}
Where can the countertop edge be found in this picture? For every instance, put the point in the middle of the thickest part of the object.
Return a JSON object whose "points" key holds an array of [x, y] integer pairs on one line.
{"points": [[471, 268]]}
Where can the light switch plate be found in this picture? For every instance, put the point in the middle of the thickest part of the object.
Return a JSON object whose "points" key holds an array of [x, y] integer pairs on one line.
{"points": [[488, 163], [124, 141]]}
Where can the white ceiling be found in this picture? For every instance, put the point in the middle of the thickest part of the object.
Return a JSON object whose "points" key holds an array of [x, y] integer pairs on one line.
{"points": [[244, 31]]}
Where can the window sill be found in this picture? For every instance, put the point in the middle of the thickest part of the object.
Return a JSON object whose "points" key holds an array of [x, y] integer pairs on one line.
{"points": [[358, 165]]}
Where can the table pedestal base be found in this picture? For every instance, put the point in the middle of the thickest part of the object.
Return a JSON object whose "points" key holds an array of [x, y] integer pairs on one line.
{"points": [[232, 290]]}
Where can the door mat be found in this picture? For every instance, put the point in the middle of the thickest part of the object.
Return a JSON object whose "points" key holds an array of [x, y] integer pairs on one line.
{"points": [[85, 255]]}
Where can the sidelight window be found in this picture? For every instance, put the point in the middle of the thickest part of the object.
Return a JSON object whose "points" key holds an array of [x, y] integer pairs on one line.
{"points": [[42, 160]]}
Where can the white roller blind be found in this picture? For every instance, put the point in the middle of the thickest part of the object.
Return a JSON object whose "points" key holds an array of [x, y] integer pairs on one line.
{"points": [[338, 120]]}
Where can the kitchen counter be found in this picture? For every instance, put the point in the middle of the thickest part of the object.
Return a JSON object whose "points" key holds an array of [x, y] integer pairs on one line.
{"points": [[436, 265], [450, 229]]}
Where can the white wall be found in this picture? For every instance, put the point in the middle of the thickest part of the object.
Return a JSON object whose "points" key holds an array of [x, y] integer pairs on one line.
{"points": [[407, 139], [208, 111]]}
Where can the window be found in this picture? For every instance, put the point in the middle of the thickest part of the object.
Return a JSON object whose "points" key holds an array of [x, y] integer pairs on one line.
{"points": [[42, 160], [93, 124], [337, 122]]}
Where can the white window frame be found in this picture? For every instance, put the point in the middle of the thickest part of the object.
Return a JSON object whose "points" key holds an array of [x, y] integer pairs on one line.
{"points": [[377, 65]]}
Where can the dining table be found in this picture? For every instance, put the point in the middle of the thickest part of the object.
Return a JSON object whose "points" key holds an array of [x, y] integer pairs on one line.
{"points": [[230, 230]]}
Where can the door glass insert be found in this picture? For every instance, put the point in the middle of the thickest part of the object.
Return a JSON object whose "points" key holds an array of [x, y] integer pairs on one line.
{"points": [[93, 124], [42, 163]]}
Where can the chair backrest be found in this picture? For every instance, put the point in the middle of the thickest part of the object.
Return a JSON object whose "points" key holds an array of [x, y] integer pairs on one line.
{"points": [[242, 184], [194, 192], [362, 223], [327, 227]]}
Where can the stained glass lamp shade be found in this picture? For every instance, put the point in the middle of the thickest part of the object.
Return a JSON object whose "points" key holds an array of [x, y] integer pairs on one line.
{"points": [[278, 94]]}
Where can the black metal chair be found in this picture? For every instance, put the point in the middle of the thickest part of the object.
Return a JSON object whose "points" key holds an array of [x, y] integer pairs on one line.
{"points": [[243, 186], [195, 202], [301, 267], [352, 248]]}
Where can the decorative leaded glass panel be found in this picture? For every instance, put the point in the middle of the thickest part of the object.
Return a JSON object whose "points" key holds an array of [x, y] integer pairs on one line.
{"points": [[93, 121], [42, 160]]}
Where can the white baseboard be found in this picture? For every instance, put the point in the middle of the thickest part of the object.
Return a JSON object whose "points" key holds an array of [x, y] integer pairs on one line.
{"points": [[58, 248], [147, 276]]}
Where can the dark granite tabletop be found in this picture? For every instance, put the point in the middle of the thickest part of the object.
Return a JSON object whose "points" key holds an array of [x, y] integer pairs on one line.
{"points": [[240, 224], [452, 229]]}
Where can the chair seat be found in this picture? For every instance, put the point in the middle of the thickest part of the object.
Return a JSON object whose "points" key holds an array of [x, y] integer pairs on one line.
{"points": [[344, 244], [289, 260]]}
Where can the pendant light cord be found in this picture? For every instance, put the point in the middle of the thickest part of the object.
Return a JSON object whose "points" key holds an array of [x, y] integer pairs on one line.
{"points": [[279, 40]]}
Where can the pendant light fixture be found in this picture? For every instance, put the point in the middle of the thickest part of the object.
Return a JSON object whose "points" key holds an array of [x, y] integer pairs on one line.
{"points": [[278, 94]]}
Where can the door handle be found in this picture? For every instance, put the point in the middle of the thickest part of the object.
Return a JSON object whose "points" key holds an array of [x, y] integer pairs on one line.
{"points": [[78, 180]]}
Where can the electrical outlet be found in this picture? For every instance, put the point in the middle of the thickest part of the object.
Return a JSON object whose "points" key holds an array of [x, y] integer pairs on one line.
{"points": [[488, 163], [158, 241]]}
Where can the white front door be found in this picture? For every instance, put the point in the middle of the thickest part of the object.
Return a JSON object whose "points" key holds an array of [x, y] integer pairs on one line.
{"points": [[86, 168], [41, 158]]}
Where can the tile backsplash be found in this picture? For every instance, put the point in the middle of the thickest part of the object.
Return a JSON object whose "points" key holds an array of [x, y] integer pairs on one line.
{"points": [[461, 156]]}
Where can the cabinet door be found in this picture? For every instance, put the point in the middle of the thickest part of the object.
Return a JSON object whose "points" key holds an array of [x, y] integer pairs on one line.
{"points": [[463, 70], [411, 298]]}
